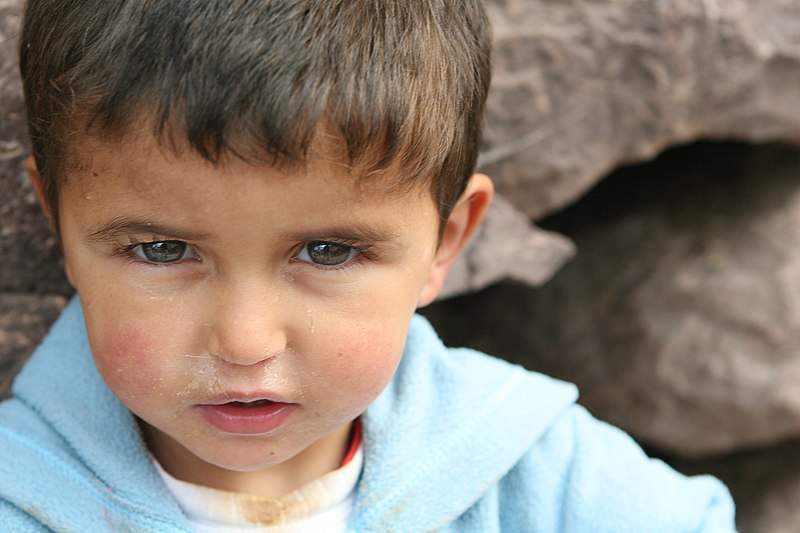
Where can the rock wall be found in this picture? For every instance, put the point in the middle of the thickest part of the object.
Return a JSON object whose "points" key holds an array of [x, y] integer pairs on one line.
{"points": [[32, 287], [582, 86], [679, 318]]}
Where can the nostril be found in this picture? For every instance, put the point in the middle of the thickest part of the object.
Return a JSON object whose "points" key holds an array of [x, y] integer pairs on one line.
{"points": [[237, 344]]}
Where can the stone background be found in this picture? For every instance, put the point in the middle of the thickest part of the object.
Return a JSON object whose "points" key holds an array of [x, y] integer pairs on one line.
{"points": [[673, 317], [673, 297], [32, 287]]}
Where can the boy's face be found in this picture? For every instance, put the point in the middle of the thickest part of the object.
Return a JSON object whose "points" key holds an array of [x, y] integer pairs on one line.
{"points": [[246, 316]]}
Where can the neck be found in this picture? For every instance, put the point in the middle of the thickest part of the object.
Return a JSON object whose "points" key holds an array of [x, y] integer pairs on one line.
{"points": [[271, 481]]}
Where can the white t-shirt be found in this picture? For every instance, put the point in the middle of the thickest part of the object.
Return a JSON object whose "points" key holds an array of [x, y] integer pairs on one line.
{"points": [[324, 504]]}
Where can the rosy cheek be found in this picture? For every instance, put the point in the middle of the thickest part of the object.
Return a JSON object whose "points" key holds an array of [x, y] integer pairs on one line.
{"points": [[128, 360], [369, 365]]}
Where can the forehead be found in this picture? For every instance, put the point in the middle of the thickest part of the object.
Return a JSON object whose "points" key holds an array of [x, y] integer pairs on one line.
{"points": [[142, 145], [140, 174]]}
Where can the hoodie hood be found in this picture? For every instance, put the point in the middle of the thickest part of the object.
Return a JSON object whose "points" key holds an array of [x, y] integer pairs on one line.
{"points": [[446, 430], [71, 434]]}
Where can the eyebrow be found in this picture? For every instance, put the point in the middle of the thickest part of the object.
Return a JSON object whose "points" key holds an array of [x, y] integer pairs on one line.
{"points": [[350, 231], [124, 226]]}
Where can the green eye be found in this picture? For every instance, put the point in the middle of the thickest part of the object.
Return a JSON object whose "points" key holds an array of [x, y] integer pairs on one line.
{"points": [[327, 253], [162, 251]]}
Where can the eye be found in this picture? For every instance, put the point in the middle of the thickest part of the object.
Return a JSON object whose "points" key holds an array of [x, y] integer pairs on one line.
{"points": [[160, 252], [327, 253]]}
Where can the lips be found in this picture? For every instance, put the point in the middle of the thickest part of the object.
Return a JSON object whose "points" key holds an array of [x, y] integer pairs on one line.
{"points": [[254, 417], [254, 403]]}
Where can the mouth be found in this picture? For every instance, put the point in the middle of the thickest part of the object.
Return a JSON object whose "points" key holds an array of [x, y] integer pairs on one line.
{"points": [[252, 403], [247, 417]]}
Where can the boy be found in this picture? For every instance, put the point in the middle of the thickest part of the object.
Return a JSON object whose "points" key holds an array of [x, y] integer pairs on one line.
{"points": [[253, 197]]}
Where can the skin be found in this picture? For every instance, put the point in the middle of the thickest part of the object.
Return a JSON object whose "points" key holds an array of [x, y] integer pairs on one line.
{"points": [[246, 310]]}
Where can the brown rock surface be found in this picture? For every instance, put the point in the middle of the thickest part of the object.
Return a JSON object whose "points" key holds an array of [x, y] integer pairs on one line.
{"points": [[30, 258], [584, 85], [765, 485], [32, 286], [679, 318], [507, 246]]}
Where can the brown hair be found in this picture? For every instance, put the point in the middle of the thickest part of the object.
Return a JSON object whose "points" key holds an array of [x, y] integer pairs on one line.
{"points": [[402, 83]]}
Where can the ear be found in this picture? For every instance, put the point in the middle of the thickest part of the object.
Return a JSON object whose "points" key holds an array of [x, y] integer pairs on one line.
{"points": [[38, 186], [465, 218]]}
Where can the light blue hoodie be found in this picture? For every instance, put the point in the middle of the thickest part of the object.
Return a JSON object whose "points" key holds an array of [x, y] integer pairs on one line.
{"points": [[457, 442]]}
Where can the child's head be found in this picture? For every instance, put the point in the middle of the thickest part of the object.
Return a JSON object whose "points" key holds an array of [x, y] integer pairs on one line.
{"points": [[397, 84], [253, 198]]}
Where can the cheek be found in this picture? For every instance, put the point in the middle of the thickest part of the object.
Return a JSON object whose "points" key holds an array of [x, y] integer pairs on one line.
{"points": [[362, 367], [129, 358], [365, 349]]}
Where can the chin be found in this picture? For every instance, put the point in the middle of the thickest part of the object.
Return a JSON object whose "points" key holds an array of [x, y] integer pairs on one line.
{"points": [[245, 460]]}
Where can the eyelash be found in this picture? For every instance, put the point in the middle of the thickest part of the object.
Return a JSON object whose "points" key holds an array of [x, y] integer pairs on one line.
{"points": [[363, 251], [129, 252]]}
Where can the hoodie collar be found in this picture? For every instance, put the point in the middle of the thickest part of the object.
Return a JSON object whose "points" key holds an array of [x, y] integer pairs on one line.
{"points": [[449, 426], [62, 385]]}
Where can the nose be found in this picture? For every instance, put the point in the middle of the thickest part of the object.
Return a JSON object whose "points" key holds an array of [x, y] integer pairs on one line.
{"points": [[247, 326]]}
